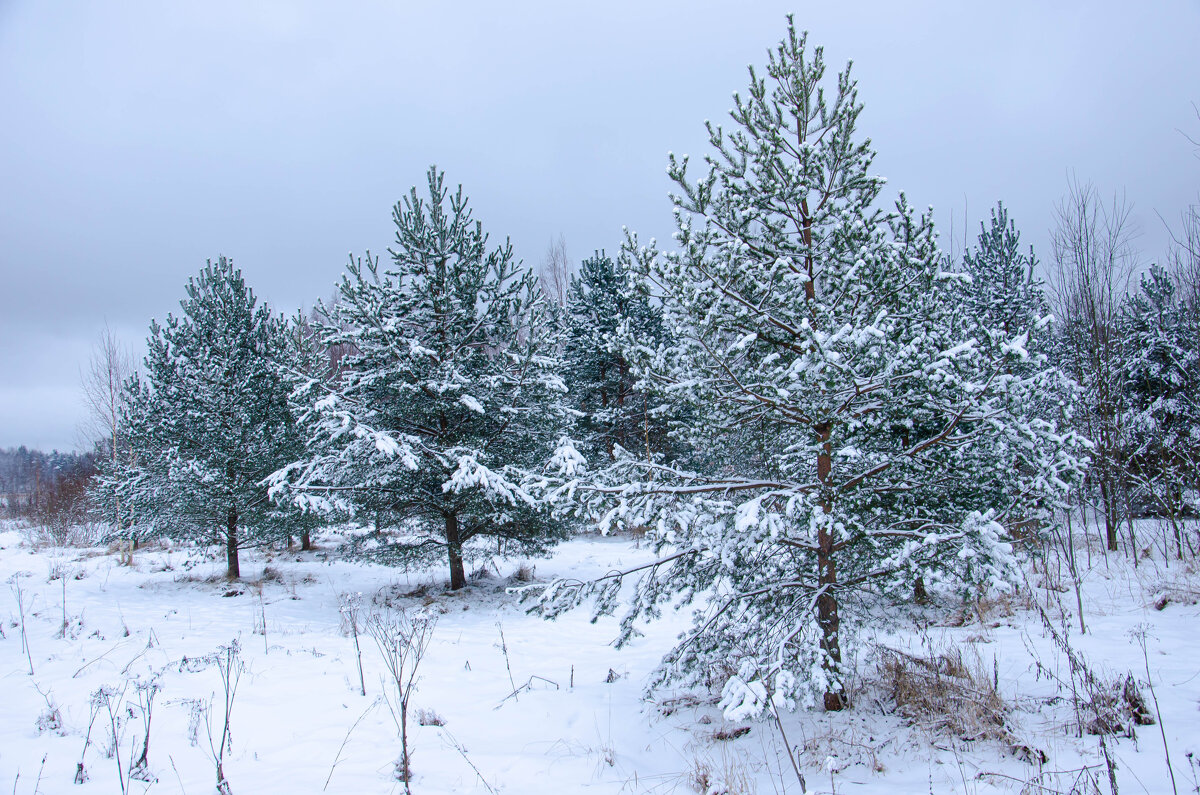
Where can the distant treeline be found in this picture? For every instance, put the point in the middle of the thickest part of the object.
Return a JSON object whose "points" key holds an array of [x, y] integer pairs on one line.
{"points": [[34, 484]]}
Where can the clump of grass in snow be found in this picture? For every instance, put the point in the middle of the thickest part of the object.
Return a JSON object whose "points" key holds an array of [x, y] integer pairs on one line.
{"points": [[429, 717], [942, 694]]}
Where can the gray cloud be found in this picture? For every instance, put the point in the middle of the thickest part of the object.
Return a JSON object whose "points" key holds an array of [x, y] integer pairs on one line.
{"points": [[141, 138]]}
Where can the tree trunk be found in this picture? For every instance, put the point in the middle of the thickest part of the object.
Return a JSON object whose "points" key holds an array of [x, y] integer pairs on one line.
{"points": [[458, 576], [920, 595], [828, 621], [827, 606], [1109, 500], [305, 541], [231, 546]]}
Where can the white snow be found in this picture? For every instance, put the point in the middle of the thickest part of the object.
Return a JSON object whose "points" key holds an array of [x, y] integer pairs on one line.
{"points": [[580, 725], [472, 404]]}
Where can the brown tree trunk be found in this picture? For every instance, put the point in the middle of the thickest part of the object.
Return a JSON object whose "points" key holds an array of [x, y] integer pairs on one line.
{"points": [[231, 546], [1109, 501], [458, 576], [920, 595], [305, 541], [827, 606]]}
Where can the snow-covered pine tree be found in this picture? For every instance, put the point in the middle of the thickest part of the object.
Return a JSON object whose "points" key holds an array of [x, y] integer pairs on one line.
{"points": [[602, 387], [1008, 301], [801, 309], [125, 483], [1161, 335], [209, 421], [1005, 291], [448, 400], [307, 363]]}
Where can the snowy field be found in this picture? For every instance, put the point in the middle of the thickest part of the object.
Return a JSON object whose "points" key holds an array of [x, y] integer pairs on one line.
{"points": [[96, 634]]}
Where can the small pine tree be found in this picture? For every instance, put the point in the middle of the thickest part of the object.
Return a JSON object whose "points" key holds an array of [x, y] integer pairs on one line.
{"points": [[447, 401], [1007, 301], [824, 330], [1005, 293], [209, 421], [615, 414], [1162, 386]]}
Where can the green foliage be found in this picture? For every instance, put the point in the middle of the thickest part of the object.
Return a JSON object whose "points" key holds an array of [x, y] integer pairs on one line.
{"points": [[209, 420], [1007, 301], [1161, 375], [849, 410], [447, 400], [614, 412]]}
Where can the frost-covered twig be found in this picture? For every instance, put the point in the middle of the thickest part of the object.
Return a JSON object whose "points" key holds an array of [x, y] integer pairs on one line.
{"points": [[463, 753], [80, 770], [527, 686], [351, 607], [504, 649], [15, 580], [229, 666], [92, 662], [146, 691], [402, 643], [346, 739], [787, 746], [111, 700]]}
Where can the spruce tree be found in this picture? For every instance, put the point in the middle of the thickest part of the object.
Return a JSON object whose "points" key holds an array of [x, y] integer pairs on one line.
{"points": [[447, 403], [808, 319], [209, 421]]}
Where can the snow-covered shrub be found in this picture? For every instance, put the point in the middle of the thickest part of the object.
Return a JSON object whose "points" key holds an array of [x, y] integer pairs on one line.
{"points": [[430, 717]]}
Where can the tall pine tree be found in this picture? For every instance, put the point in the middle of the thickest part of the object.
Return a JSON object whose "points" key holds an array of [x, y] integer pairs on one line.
{"points": [[447, 403], [808, 318], [209, 421]]}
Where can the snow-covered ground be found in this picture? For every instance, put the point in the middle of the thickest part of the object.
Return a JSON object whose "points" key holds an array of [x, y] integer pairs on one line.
{"points": [[300, 724]]}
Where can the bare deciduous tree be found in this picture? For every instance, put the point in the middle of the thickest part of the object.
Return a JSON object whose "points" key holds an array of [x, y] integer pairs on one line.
{"points": [[1184, 258], [103, 393], [555, 271], [1095, 259]]}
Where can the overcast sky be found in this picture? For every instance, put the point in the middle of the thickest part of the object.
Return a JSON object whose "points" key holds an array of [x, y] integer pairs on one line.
{"points": [[138, 139]]}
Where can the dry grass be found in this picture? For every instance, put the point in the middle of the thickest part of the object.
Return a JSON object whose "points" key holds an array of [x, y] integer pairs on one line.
{"points": [[1117, 707], [990, 611], [669, 706], [944, 695], [844, 745], [727, 776], [429, 717]]}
